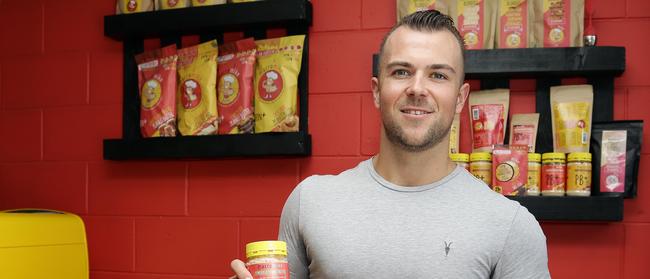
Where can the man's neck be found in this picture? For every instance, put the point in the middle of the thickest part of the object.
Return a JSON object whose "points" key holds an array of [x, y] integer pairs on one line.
{"points": [[406, 168]]}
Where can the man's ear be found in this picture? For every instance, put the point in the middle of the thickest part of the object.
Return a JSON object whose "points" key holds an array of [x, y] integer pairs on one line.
{"points": [[462, 97], [374, 85]]}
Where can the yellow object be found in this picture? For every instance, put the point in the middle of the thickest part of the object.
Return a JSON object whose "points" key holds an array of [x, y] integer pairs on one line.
{"points": [[578, 174], [276, 84], [534, 174], [481, 166], [553, 157], [459, 157], [264, 248], [37, 244]]}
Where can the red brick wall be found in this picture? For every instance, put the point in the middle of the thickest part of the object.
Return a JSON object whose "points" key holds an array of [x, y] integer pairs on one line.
{"points": [[60, 95]]}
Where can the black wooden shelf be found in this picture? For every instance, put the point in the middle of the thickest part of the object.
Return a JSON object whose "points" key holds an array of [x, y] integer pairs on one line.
{"points": [[209, 19], [536, 62], [254, 19], [267, 144], [593, 208]]}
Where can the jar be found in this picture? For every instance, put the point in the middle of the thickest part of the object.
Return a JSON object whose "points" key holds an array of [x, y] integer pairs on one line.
{"points": [[461, 159], [553, 174], [578, 169], [267, 259], [534, 174], [481, 166]]}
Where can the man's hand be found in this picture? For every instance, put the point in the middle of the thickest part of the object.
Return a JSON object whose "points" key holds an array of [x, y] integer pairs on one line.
{"points": [[240, 270]]}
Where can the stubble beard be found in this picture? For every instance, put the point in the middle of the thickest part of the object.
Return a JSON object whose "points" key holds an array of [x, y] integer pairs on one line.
{"points": [[434, 135]]}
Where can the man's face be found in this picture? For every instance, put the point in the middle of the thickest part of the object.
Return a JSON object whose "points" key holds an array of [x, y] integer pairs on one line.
{"points": [[419, 88]]}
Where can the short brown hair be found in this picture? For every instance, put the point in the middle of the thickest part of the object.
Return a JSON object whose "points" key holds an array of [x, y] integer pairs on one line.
{"points": [[427, 20]]}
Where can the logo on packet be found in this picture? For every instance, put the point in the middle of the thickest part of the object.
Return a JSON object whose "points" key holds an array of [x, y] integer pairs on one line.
{"points": [[270, 85], [150, 94], [132, 5], [191, 94], [172, 3], [228, 89]]}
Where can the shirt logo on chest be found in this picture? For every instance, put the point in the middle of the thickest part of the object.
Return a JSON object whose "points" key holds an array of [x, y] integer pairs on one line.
{"points": [[447, 248]]}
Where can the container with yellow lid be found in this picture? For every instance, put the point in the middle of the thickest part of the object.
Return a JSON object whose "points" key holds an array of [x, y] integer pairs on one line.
{"points": [[553, 174], [267, 259], [578, 174], [462, 159], [534, 174], [481, 166]]}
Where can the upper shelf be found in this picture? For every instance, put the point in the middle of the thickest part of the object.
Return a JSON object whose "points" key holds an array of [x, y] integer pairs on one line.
{"points": [[535, 62], [208, 19]]}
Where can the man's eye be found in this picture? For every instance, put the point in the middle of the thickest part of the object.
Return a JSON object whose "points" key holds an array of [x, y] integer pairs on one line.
{"points": [[438, 76], [401, 73]]}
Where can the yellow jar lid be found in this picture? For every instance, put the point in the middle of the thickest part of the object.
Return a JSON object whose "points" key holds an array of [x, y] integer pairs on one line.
{"points": [[459, 157], [579, 156], [265, 248], [553, 156], [480, 156], [534, 157]]}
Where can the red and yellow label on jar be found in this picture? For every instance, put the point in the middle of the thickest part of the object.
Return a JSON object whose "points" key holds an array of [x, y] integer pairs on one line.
{"points": [[579, 174], [481, 166], [553, 174]]}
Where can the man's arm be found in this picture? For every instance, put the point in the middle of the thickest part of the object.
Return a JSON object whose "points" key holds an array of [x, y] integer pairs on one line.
{"points": [[524, 252], [290, 233]]}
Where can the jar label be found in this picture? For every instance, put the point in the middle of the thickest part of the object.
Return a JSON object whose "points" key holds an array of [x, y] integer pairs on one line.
{"points": [[578, 177], [269, 270], [553, 178]]}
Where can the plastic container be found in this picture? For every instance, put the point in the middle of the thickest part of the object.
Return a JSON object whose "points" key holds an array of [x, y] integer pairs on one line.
{"points": [[553, 174], [267, 259], [481, 166], [578, 170], [462, 159], [534, 174]]}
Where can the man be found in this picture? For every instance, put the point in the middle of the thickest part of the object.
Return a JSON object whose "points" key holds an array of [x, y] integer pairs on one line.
{"points": [[409, 212]]}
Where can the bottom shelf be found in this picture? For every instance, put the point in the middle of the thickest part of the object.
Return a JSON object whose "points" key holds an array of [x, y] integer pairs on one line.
{"points": [[594, 208], [267, 144]]}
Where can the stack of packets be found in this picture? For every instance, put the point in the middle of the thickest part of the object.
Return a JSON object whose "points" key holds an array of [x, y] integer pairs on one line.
{"points": [[136, 6], [509, 23], [245, 86]]}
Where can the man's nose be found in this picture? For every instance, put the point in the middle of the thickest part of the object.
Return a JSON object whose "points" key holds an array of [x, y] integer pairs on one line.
{"points": [[417, 87]]}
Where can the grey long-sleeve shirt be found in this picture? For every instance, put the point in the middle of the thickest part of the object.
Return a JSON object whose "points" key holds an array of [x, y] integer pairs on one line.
{"points": [[358, 225]]}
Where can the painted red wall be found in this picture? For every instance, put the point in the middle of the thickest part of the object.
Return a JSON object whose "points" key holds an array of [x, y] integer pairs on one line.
{"points": [[60, 95]]}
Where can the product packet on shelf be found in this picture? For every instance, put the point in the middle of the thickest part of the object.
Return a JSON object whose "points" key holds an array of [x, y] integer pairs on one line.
{"points": [[616, 150], [236, 66], [510, 169], [488, 111], [276, 84], [157, 84], [171, 4], [523, 130], [514, 23], [476, 22], [407, 7], [198, 3], [558, 23], [197, 89], [133, 6], [571, 110], [454, 135]]}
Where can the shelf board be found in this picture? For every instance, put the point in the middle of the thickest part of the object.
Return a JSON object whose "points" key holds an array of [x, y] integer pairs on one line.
{"points": [[242, 145], [206, 19], [535, 62], [594, 208]]}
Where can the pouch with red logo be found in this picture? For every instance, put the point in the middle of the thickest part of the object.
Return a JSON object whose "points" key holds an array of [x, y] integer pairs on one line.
{"points": [[276, 84], [236, 64], [197, 89], [488, 114], [197, 3], [157, 83], [133, 6], [171, 4]]}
